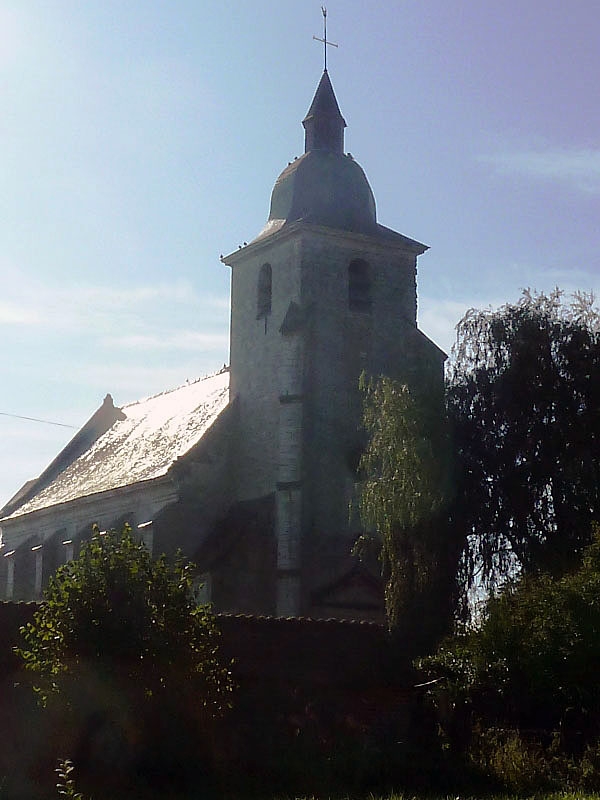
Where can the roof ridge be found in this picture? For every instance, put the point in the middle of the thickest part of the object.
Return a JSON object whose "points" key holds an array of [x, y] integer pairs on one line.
{"points": [[301, 620], [188, 382]]}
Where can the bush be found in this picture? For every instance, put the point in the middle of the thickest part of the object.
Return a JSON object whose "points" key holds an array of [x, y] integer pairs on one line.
{"points": [[129, 661], [530, 666], [509, 760], [116, 609], [533, 661], [66, 782], [520, 763]]}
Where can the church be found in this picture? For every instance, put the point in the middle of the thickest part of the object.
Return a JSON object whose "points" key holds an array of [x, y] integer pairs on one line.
{"points": [[251, 472]]}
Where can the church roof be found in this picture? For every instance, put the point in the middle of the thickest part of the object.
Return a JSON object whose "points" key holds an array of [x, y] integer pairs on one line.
{"points": [[324, 124], [325, 186], [324, 101], [143, 441]]}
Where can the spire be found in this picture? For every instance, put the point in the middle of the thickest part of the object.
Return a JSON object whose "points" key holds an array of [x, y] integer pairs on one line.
{"points": [[324, 124]]}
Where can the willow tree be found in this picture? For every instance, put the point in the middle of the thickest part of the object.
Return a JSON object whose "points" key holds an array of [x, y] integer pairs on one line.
{"points": [[523, 399], [403, 501]]}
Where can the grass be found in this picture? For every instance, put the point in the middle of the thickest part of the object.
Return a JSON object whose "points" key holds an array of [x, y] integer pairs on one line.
{"points": [[535, 796]]}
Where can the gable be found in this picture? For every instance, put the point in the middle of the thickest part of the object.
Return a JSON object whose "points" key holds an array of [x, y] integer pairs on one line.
{"points": [[357, 589]]}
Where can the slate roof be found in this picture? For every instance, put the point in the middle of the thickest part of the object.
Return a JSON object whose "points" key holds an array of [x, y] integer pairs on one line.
{"points": [[324, 102], [142, 443]]}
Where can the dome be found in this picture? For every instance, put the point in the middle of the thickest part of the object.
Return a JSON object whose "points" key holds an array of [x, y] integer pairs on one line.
{"points": [[324, 188]]}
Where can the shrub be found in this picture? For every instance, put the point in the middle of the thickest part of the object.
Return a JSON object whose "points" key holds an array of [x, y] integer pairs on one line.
{"points": [[533, 661], [66, 783], [131, 664], [115, 609]]}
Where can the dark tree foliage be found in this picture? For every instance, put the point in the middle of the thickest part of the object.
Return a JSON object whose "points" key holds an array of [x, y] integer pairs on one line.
{"points": [[117, 612], [533, 662], [523, 399]]}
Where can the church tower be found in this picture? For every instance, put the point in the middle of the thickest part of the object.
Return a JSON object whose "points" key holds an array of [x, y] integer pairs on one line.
{"points": [[322, 294]]}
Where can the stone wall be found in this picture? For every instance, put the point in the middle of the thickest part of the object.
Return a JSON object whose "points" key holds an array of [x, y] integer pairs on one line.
{"points": [[287, 650], [295, 366], [256, 361]]}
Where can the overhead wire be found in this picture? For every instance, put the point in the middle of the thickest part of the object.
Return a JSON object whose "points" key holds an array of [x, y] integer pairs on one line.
{"points": [[36, 419]]}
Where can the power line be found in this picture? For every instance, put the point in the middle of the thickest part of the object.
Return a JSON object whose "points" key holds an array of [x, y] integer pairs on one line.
{"points": [[35, 419]]}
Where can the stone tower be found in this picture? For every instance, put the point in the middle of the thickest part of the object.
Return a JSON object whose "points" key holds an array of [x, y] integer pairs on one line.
{"points": [[323, 293]]}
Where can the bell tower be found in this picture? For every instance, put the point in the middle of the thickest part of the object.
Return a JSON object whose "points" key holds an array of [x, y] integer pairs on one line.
{"points": [[323, 293]]}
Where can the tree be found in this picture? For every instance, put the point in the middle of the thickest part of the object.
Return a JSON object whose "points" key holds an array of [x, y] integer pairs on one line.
{"points": [[403, 496], [523, 399], [116, 611], [532, 663], [130, 661]]}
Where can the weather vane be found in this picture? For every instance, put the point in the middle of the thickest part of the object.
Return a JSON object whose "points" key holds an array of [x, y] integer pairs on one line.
{"points": [[324, 39]]}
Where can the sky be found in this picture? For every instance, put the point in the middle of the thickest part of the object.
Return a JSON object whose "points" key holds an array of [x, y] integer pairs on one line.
{"points": [[140, 139]]}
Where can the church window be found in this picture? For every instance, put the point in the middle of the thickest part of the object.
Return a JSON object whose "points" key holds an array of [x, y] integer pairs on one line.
{"points": [[39, 572], [263, 295], [69, 550], [10, 574], [359, 286], [146, 533]]}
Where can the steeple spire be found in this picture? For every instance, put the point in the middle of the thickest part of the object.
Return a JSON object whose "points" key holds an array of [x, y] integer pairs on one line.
{"points": [[324, 124]]}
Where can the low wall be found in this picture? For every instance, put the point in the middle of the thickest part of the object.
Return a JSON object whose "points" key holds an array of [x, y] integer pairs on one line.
{"points": [[314, 652], [303, 686]]}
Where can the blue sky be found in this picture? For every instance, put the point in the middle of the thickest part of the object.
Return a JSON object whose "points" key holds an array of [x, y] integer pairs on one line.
{"points": [[139, 139]]}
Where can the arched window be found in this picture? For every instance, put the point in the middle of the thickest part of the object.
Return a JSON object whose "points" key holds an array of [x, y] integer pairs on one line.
{"points": [[359, 286], [263, 294]]}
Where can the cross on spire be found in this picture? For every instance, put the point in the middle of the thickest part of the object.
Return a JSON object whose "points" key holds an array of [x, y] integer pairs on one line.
{"points": [[324, 39]]}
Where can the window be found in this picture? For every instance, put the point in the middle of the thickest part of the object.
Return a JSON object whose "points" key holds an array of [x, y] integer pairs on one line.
{"points": [[39, 566], [359, 286], [69, 550], [10, 574], [263, 295], [146, 534]]}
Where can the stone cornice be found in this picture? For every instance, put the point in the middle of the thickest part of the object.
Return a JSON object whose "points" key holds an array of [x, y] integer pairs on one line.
{"points": [[341, 237]]}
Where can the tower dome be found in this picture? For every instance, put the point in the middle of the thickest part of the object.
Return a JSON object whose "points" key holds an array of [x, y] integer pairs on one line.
{"points": [[324, 186]]}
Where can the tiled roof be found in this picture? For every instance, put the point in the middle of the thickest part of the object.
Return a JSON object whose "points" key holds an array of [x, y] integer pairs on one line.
{"points": [[142, 444], [315, 622]]}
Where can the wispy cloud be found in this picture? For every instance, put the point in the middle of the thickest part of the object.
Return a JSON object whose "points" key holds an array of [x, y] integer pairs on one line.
{"points": [[176, 340], [129, 382], [574, 279], [18, 314], [579, 168], [120, 298], [130, 340], [12, 36], [104, 308], [438, 318]]}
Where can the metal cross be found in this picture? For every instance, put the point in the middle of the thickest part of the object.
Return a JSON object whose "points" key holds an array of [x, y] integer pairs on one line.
{"points": [[324, 39]]}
